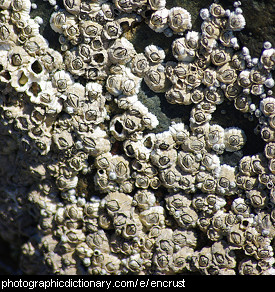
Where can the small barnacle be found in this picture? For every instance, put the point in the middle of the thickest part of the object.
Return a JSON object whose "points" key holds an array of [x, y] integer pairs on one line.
{"points": [[249, 266], [208, 184], [214, 137], [202, 259], [178, 95], [72, 6], [258, 199], [181, 52], [98, 240], [216, 10], [226, 74], [158, 20], [271, 121], [194, 144], [234, 139], [162, 262], [268, 134], [199, 116], [244, 79], [232, 91], [179, 19], [236, 21], [62, 80], [163, 159], [176, 202], [184, 238], [64, 183], [187, 162], [258, 164], [121, 51], [267, 58], [139, 64], [180, 259], [155, 79], [186, 218], [220, 56], [209, 77], [63, 140], [238, 62], [245, 182], [242, 103], [179, 132], [209, 31], [144, 199], [90, 29], [267, 106], [112, 30], [58, 20], [73, 212], [154, 216], [239, 207], [124, 5], [236, 236], [257, 89], [157, 4], [245, 165], [108, 11], [154, 54], [270, 150], [271, 165]]}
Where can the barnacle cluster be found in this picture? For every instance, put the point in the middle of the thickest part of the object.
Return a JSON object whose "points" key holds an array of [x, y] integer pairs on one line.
{"points": [[84, 177]]}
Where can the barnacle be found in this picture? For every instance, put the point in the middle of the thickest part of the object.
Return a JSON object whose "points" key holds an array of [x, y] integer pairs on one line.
{"points": [[99, 187]]}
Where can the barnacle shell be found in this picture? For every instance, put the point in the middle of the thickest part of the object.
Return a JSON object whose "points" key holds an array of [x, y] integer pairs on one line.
{"points": [[236, 21], [226, 74], [139, 64], [121, 51], [179, 132], [155, 78], [267, 58], [209, 31], [215, 137], [179, 19], [268, 134], [157, 4], [144, 199], [112, 30], [154, 216], [267, 106], [240, 207], [248, 266], [154, 54], [176, 202], [216, 10], [178, 95], [187, 162], [234, 139], [62, 80], [226, 181], [158, 20], [270, 150], [258, 199], [163, 159], [63, 140], [58, 20], [72, 6]]}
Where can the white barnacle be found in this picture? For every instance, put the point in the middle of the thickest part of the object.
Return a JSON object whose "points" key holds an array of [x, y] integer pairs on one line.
{"points": [[179, 19], [236, 21], [234, 139], [158, 20], [154, 54]]}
